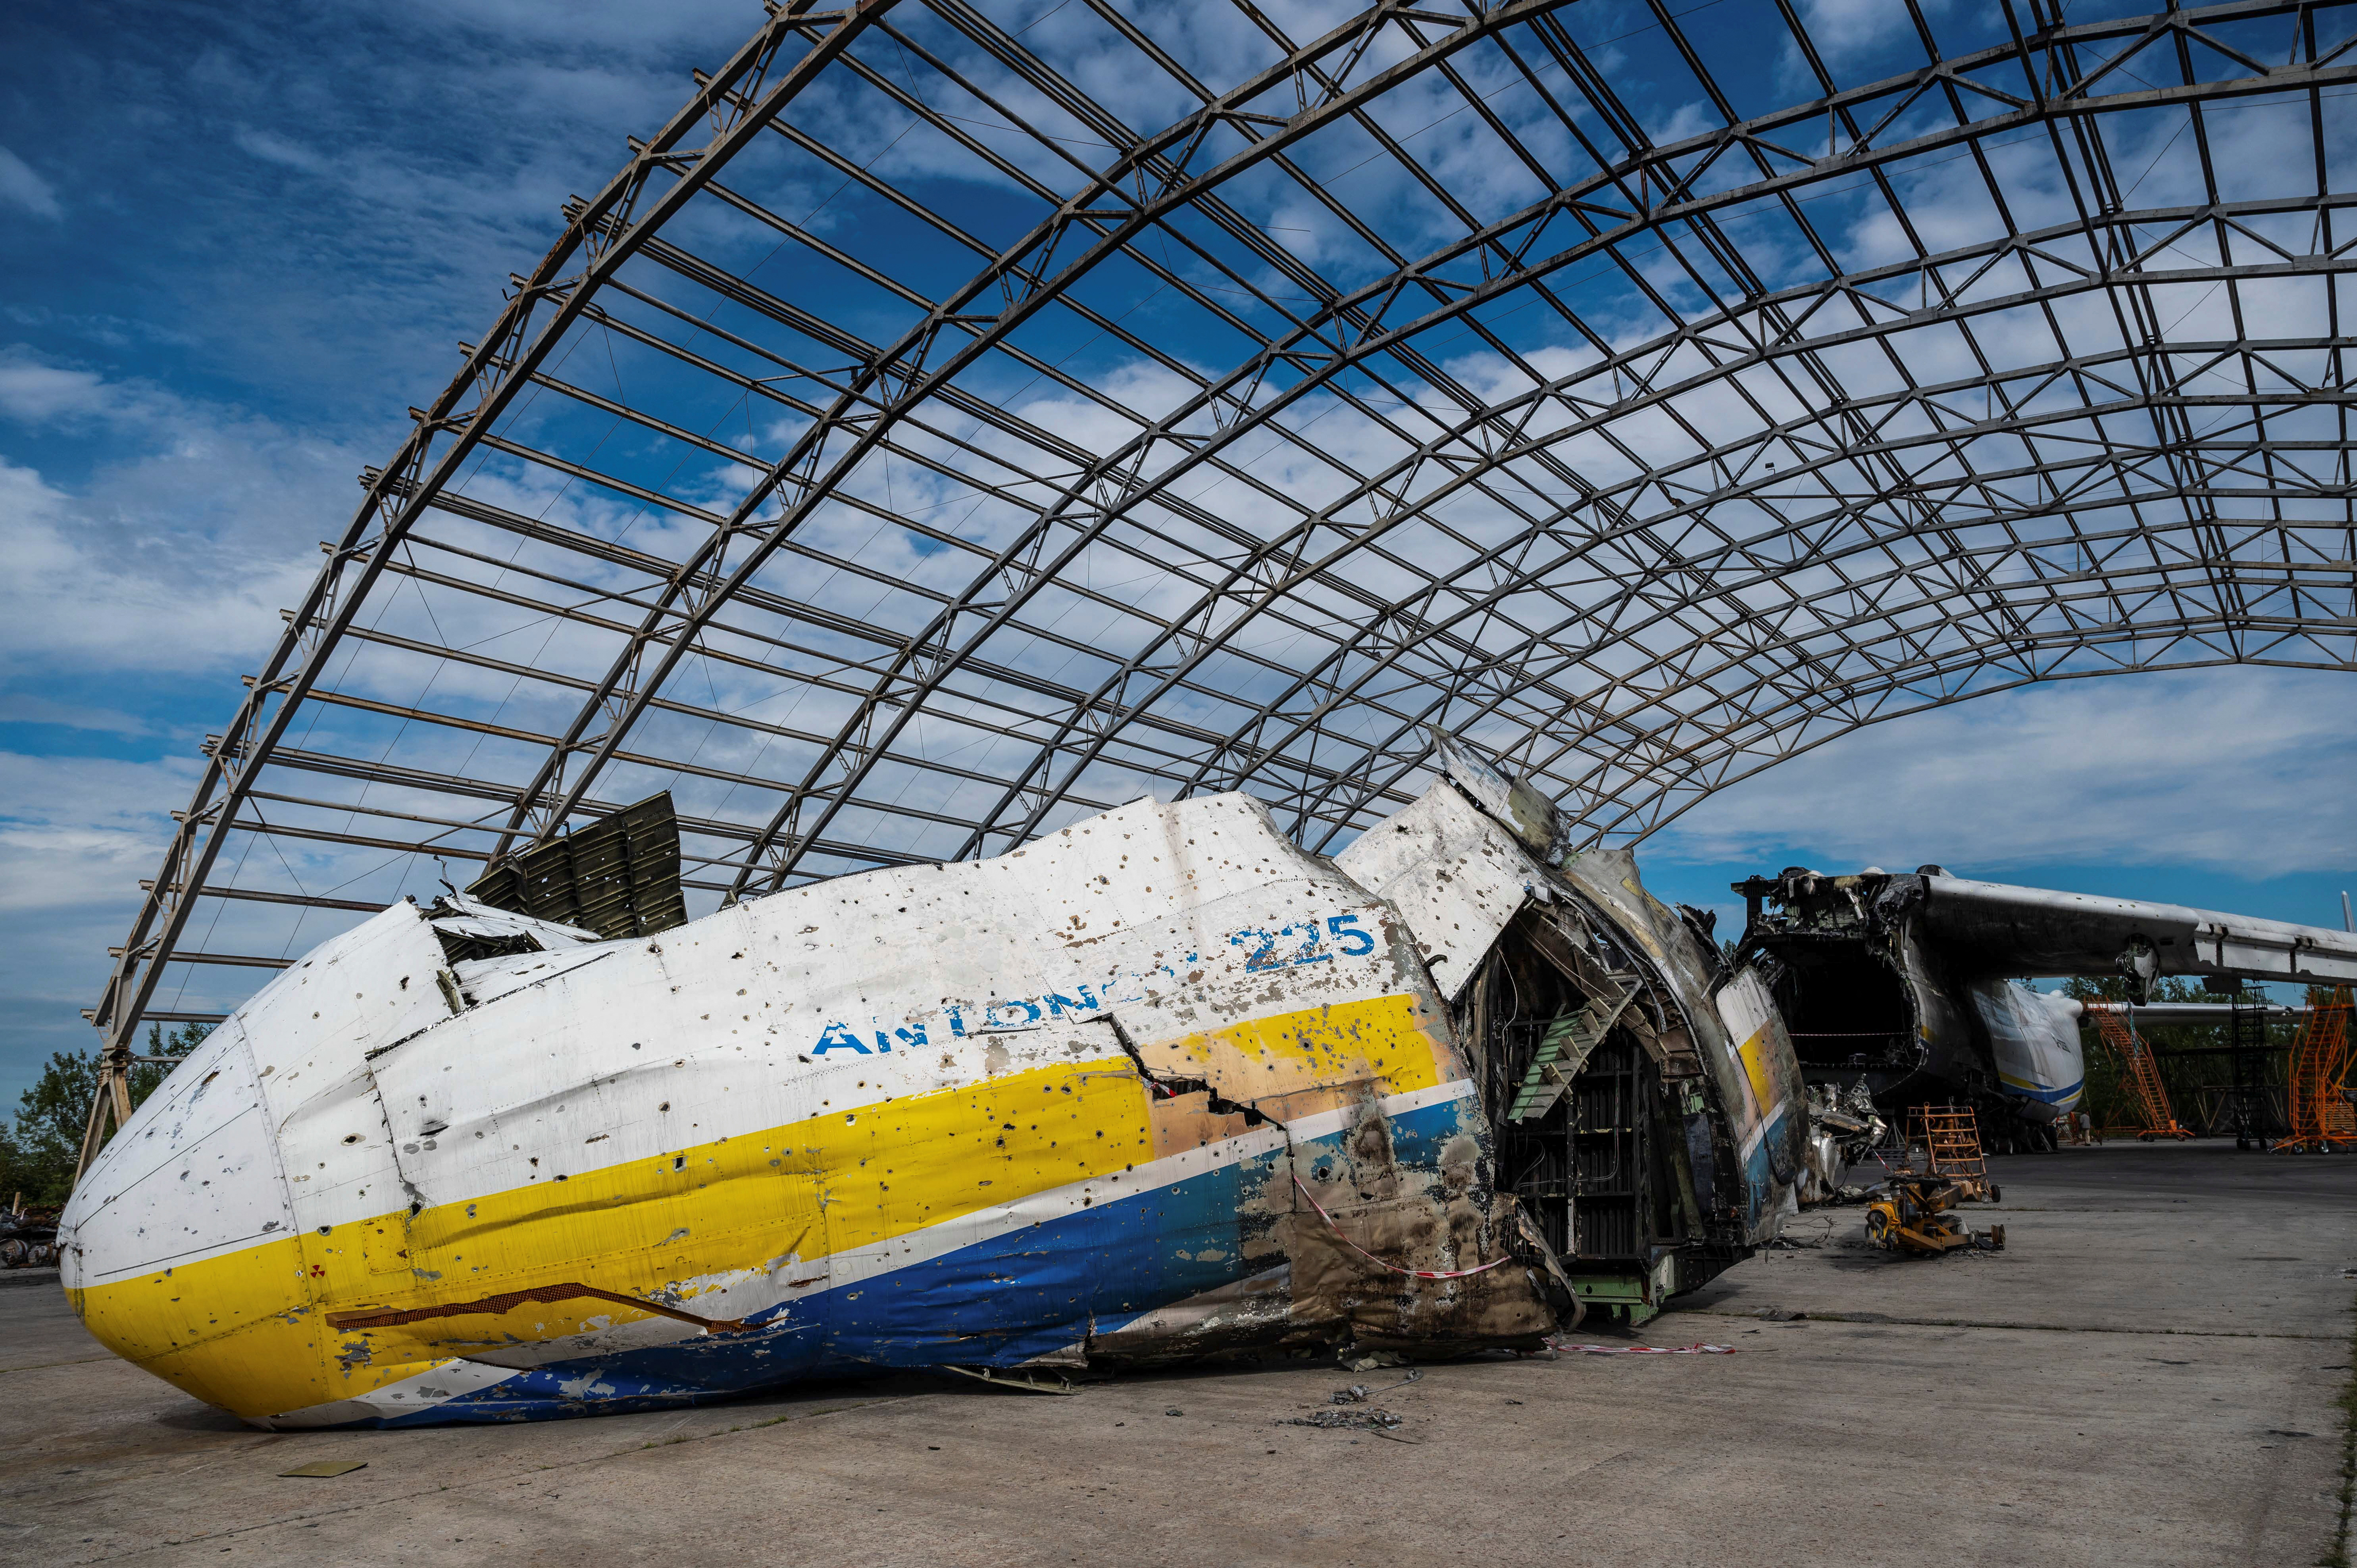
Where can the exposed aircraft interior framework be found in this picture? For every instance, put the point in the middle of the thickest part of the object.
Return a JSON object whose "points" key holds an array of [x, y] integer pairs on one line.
{"points": [[959, 425]]}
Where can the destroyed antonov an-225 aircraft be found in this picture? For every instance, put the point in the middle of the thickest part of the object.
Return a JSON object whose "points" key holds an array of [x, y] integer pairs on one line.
{"points": [[1901, 983], [1158, 1086]]}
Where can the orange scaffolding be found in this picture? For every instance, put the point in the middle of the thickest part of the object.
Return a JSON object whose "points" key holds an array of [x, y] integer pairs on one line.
{"points": [[2142, 1072], [2322, 1118]]}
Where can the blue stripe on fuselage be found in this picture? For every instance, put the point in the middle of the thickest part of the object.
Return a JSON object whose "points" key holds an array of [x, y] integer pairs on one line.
{"points": [[1758, 1174], [998, 1303], [2051, 1096]]}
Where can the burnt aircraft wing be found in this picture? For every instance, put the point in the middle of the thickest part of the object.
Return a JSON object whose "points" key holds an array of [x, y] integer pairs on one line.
{"points": [[1876, 1001], [2036, 931], [1901, 981]]}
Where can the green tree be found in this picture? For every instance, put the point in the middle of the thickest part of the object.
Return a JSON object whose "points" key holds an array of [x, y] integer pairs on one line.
{"points": [[38, 1154]]}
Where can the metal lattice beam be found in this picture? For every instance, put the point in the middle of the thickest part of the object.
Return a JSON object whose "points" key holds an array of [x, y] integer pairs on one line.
{"points": [[911, 450]]}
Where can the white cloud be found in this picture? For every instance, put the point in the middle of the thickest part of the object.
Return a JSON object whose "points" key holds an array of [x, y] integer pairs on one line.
{"points": [[176, 553], [24, 708], [20, 187], [1840, 25], [279, 150], [39, 392], [77, 834], [2241, 770]]}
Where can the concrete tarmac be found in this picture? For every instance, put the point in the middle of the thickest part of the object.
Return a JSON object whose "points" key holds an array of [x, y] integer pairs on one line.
{"points": [[2150, 1373]]}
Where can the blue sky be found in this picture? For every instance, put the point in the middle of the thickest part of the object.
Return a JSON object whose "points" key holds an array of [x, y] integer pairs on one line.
{"points": [[237, 244]]}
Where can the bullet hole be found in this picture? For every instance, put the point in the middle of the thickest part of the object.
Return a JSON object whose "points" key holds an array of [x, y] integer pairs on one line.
{"points": [[352, 1138], [664, 1106], [679, 1162]]}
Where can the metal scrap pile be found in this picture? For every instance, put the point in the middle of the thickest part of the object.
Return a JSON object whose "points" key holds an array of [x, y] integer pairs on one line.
{"points": [[1915, 1213], [1844, 1130], [28, 1238], [1334, 1418], [1341, 1415]]}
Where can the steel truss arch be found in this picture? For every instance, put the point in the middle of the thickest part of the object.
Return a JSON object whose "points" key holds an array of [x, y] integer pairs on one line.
{"points": [[1490, 417], [1050, 464], [1732, 551]]}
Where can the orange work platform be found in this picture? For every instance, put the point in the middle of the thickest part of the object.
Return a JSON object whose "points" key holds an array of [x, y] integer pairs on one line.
{"points": [[1950, 1136], [2143, 1074], [2322, 1118]]}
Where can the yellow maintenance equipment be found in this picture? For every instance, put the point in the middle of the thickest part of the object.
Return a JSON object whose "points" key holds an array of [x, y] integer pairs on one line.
{"points": [[1915, 1214]]}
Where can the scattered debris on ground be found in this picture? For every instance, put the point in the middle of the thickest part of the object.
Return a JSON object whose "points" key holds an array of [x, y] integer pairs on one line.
{"points": [[1335, 1420], [1016, 1380], [1359, 1394]]}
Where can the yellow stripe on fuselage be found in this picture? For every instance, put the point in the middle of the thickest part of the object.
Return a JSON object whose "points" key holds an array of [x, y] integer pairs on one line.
{"points": [[1753, 1053], [248, 1330], [1385, 1040], [233, 1330]]}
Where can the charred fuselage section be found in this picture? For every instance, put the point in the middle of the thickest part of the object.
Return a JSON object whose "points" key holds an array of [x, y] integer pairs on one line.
{"points": [[1156, 1086], [1874, 997], [1603, 1111], [1835, 953], [1641, 1099]]}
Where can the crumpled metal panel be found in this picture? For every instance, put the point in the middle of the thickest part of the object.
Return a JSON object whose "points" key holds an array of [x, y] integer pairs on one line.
{"points": [[618, 876], [1457, 877], [1767, 1107]]}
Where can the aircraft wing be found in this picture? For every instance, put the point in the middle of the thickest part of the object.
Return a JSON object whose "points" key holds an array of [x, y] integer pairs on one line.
{"points": [[2158, 1015], [2036, 931]]}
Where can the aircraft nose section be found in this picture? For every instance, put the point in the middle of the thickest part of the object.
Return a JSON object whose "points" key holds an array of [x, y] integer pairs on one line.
{"points": [[178, 1248]]}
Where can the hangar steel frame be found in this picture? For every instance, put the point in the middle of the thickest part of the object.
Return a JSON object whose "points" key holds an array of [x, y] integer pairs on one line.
{"points": [[960, 419]]}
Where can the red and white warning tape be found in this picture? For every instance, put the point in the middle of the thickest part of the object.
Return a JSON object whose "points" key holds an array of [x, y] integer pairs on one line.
{"points": [[1412, 1274], [1646, 1350]]}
